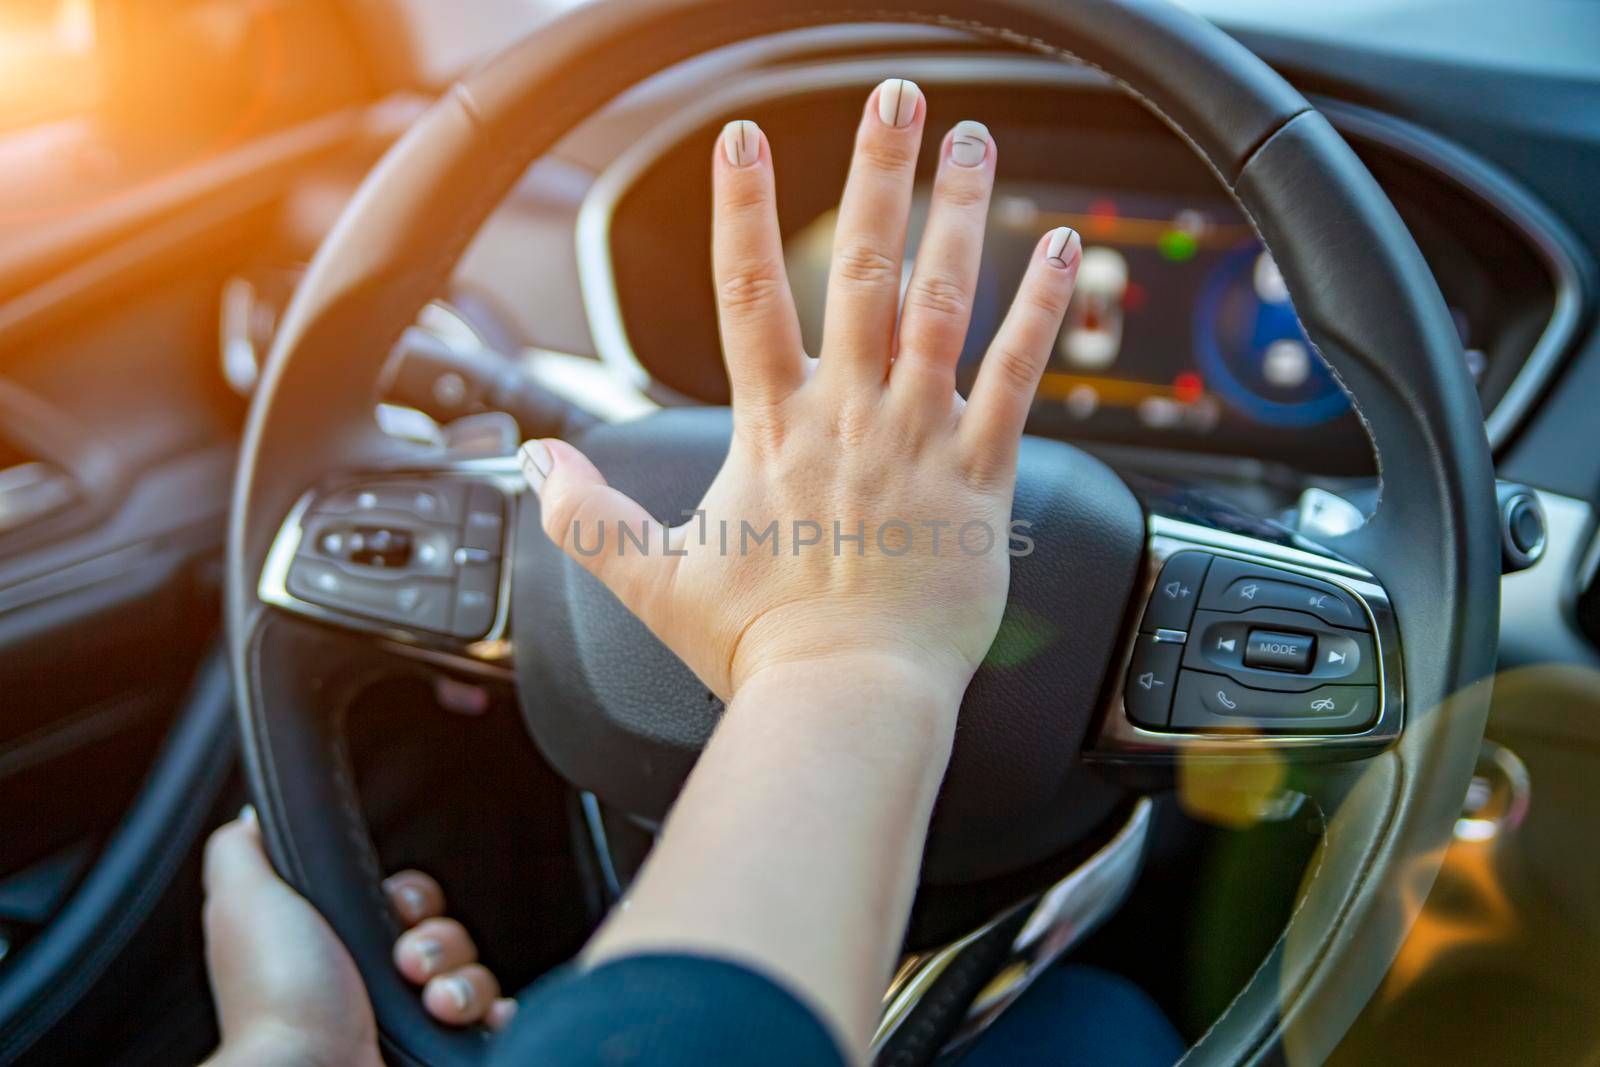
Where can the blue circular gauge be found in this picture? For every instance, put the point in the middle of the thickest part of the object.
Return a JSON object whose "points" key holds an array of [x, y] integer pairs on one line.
{"points": [[1252, 350]]}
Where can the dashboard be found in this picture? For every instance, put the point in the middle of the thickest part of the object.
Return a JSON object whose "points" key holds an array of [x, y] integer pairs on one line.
{"points": [[1181, 336], [1180, 326]]}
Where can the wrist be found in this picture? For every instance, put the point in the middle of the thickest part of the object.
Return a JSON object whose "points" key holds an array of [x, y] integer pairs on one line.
{"points": [[885, 705], [937, 687]]}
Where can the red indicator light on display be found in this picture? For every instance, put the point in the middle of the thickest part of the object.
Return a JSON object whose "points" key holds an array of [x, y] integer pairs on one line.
{"points": [[1103, 216], [1188, 387]]}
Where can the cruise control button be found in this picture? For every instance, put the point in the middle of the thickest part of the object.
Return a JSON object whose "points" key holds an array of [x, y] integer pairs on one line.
{"points": [[1176, 592], [1151, 678], [1214, 702], [1233, 585], [1253, 592], [1277, 651]]}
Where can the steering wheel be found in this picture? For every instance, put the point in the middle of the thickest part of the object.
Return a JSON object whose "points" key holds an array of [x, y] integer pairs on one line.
{"points": [[1131, 601]]}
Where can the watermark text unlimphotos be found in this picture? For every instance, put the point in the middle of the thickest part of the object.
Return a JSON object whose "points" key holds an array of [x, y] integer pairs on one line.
{"points": [[892, 537]]}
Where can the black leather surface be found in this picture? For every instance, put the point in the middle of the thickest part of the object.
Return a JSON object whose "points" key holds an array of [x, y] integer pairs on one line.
{"points": [[1370, 305], [619, 714], [1197, 79]]}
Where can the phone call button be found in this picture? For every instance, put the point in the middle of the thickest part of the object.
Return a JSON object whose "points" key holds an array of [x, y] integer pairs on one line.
{"points": [[1206, 701]]}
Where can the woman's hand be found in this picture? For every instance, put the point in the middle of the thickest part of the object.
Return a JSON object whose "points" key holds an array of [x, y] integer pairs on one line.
{"points": [[795, 844], [289, 994], [863, 511]]}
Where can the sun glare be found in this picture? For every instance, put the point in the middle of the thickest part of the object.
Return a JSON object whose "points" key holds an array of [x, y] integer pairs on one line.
{"points": [[47, 67]]}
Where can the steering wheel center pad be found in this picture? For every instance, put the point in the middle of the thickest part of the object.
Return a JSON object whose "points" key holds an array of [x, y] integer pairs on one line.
{"points": [[1357, 279]]}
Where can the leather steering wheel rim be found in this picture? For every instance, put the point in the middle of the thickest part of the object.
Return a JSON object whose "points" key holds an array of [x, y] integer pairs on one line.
{"points": [[1361, 287]]}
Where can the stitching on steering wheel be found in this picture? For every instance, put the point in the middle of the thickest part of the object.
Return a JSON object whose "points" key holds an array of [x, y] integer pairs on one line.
{"points": [[261, 740], [348, 801], [1327, 364], [345, 796], [1322, 949], [1321, 854]]}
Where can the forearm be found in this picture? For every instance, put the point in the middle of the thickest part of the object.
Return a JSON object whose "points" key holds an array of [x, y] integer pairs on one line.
{"points": [[796, 842]]}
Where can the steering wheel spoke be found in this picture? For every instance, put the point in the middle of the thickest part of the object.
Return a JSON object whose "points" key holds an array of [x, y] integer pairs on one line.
{"points": [[418, 558], [1244, 645]]}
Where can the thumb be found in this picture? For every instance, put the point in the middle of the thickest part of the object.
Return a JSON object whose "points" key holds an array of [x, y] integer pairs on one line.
{"points": [[603, 530], [234, 858]]}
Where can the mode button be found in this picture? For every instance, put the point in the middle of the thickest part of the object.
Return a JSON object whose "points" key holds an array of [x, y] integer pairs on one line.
{"points": [[1277, 651]]}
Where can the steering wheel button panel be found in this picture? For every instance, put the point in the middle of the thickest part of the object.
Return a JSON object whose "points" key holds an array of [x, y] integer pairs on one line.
{"points": [[1211, 702], [1234, 585], [1176, 592], [415, 557], [1152, 677], [1280, 651]]}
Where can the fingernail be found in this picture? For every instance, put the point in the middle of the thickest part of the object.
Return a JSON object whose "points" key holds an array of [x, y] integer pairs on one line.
{"points": [[1062, 247], [411, 901], [247, 815], [429, 952], [501, 1013], [459, 990], [741, 142], [536, 463], [969, 143], [897, 102]]}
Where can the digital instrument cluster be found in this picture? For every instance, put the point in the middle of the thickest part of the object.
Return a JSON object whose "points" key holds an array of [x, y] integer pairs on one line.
{"points": [[1181, 329], [1181, 341]]}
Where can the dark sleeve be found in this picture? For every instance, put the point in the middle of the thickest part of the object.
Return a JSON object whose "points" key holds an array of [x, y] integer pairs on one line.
{"points": [[665, 1011]]}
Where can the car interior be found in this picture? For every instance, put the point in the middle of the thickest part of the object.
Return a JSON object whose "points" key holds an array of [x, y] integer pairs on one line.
{"points": [[1286, 722]]}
